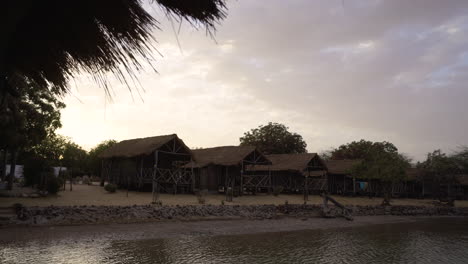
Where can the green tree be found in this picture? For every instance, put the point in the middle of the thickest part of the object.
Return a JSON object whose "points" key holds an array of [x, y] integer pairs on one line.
{"points": [[94, 162], [41, 157], [380, 160], [274, 138], [74, 158], [440, 168], [26, 121]]}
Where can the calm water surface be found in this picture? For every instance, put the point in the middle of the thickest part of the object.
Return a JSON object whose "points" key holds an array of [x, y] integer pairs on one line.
{"points": [[429, 241]]}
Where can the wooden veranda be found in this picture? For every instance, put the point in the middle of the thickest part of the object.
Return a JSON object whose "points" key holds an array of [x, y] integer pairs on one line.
{"points": [[229, 167], [154, 161]]}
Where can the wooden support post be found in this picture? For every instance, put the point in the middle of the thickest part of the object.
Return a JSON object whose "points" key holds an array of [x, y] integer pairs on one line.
{"points": [[193, 175], [241, 191], [154, 183], [344, 184], [71, 179], [354, 186], [306, 188]]}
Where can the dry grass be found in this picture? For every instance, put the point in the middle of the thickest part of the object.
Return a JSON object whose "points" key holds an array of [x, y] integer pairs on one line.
{"points": [[96, 195]]}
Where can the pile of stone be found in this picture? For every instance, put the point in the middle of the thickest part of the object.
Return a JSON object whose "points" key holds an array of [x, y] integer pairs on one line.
{"points": [[71, 215]]}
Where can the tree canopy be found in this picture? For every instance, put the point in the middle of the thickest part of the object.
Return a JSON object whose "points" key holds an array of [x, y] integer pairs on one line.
{"points": [[380, 160], [94, 162], [441, 167], [274, 138]]}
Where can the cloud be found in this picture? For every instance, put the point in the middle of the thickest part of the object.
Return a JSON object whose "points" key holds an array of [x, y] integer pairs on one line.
{"points": [[334, 71]]}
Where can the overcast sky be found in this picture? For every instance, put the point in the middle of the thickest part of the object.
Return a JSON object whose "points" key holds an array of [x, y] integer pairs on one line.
{"points": [[334, 71]]}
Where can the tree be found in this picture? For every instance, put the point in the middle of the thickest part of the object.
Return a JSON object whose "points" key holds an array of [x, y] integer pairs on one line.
{"points": [[380, 160], [41, 157], [94, 162], [74, 158], [26, 121], [441, 168], [274, 138]]}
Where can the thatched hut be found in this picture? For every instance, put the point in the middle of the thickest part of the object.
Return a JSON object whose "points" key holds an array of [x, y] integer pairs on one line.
{"points": [[297, 172], [138, 162], [340, 179], [216, 169]]}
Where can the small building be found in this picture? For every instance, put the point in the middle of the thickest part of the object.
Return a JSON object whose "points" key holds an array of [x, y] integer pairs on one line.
{"points": [[135, 163], [297, 172], [340, 179], [216, 169]]}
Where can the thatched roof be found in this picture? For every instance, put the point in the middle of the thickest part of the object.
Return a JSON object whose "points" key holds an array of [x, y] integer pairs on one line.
{"points": [[341, 166], [224, 156], [47, 42], [140, 146], [289, 162]]}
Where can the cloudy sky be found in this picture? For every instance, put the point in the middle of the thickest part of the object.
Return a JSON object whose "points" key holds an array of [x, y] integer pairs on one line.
{"points": [[334, 71]]}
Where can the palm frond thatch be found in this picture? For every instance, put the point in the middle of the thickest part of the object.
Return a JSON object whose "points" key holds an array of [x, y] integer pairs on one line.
{"points": [[49, 41]]}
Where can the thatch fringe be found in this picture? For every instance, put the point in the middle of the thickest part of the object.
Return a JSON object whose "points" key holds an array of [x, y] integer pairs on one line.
{"points": [[48, 42]]}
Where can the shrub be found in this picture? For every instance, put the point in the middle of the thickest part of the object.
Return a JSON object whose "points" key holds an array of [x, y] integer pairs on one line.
{"points": [[53, 184], [277, 190], [110, 187]]}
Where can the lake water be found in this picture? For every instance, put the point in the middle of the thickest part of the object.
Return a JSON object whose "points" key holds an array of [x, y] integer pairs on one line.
{"points": [[429, 241]]}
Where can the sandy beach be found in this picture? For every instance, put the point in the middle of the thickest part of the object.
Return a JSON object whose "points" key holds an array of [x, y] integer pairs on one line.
{"points": [[95, 195]]}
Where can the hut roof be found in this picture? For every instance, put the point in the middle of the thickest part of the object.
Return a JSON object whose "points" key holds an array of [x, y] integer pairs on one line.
{"points": [[96, 37], [225, 156], [284, 162], [140, 146], [341, 166]]}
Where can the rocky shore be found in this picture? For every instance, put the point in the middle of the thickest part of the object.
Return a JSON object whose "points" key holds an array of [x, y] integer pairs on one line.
{"points": [[78, 215]]}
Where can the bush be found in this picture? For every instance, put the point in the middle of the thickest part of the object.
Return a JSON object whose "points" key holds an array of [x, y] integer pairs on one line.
{"points": [[110, 187], [53, 184]]}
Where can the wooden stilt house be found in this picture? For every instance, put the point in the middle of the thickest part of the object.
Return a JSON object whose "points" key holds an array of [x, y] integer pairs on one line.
{"points": [[147, 161], [296, 173], [219, 168], [340, 179]]}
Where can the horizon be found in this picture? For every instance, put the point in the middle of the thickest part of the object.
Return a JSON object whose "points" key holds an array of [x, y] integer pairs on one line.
{"points": [[400, 73]]}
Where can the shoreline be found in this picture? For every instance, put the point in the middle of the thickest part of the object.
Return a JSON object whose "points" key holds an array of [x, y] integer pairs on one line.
{"points": [[99, 215], [177, 228]]}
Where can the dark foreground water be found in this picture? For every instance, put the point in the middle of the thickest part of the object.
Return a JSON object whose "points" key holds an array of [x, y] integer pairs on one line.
{"points": [[427, 241]]}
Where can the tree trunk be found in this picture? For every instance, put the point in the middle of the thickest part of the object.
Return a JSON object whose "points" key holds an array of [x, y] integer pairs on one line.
{"points": [[4, 163], [387, 194], [12, 170]]}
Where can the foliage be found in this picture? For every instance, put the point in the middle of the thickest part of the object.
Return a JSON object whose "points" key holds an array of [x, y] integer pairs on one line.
{"points": [[26, 121], [52, 149], [440, 167], [110, 187], [74, 159], [379, 160], [274, 138], [94, 162]]}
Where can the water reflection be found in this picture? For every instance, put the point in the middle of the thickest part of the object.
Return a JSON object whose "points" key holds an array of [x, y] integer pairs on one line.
{"points": [[435, 241]]}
